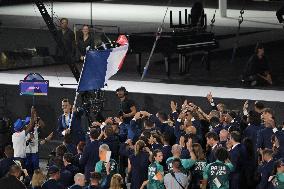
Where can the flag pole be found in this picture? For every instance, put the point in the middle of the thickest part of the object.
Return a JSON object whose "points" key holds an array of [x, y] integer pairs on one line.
{"points": [[77, 93]]}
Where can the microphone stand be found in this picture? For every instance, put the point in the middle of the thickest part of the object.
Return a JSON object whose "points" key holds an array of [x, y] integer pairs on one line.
{"points": [[240, 21], [158, 35], [52, 10], [91, 12], [212, 21]]}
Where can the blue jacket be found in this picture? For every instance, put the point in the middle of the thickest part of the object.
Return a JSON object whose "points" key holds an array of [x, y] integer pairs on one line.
{"points": [[113, 143], [237, 155], [139, 169], [280, 137], [177, 131], [264, 138], [198, 126], [72, 168], [90, 157], [133, 131], [77, 132], [164, 128], [167, 152], [123, 132], [66, 178], [252, 132], [211, 154], [265, 171], [52, 184], [71, 148]]}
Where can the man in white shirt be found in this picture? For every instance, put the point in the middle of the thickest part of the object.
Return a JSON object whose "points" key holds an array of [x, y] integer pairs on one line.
{"points": [[19, 136]]}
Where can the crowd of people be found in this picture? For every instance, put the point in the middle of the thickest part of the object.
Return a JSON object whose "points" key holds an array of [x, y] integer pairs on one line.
{"points": [[186, 148]]}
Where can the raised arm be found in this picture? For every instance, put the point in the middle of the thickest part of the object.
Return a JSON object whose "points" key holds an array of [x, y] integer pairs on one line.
{"points": [[32, 120]]}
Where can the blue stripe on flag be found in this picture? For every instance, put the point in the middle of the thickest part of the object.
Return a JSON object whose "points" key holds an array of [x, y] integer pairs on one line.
{"points": [[94, 71]]}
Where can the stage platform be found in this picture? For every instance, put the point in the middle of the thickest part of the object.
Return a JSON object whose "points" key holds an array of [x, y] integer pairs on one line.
{"points": [[23, 27]]}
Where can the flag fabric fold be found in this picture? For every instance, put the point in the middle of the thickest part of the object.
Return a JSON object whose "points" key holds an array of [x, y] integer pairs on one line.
{"points": [[99, 66]]}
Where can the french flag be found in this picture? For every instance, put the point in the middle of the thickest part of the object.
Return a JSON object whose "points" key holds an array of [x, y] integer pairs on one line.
{"points": [[100, 65]]}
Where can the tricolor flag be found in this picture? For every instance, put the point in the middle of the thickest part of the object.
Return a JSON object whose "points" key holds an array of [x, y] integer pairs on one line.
{"points": [[100, 65]]}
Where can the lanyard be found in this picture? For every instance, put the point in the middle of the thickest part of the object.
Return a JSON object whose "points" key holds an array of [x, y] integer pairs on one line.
{"points": [[66, 125]]}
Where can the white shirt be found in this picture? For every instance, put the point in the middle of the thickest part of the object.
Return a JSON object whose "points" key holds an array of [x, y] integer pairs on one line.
{"points": [[33, 145], [19, 144], [171, 183], [235, 145], [214, 146]]}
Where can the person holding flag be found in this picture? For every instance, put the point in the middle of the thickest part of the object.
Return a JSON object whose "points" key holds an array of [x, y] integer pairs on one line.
{"points": [[68, 123]]}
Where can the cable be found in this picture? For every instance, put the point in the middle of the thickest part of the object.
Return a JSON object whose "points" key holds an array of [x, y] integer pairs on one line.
{"points": [[158, 35]]}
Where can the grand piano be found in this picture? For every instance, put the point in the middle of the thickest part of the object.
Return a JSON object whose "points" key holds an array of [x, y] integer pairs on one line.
{"points": [[184, 40]]}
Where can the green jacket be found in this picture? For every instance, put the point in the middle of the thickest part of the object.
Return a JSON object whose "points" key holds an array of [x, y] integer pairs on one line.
{"points": [[217, 174], [153, 169]]}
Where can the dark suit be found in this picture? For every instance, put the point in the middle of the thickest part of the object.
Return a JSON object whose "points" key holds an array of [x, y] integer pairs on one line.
{"points": [[164, 128], [123, 132], [133, 131], [264, 138], [72, 168], [211, 154], [90, 157], [71, 148], [167, 152], [11, 182], [139, 169], [237, 154], [77, 132], [67, 39], [252, 132], [177, 131], [76, 162], [5, 165], [52, 184], [280, 137], [66, 178], [75, 186], [265, 171], [113, 143]]}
